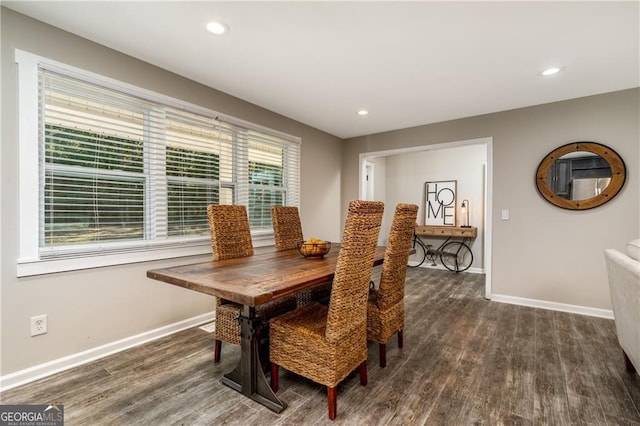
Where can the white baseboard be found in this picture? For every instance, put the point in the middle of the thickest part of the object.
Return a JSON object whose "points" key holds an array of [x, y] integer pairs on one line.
{"points": [[534, 303], [40, 371], [553, 306], [439, 266]]}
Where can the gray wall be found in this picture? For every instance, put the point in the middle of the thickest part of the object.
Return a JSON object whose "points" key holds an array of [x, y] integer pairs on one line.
{"points": [[543, 252], [90, 308]]}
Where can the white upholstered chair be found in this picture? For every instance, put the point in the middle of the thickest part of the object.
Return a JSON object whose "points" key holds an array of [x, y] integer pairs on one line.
{"points": [[624, 283]]}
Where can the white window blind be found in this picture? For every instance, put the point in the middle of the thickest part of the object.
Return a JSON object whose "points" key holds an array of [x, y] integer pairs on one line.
{"points": [[268, 180], [199, 169], [94, 163], [121, 172]]}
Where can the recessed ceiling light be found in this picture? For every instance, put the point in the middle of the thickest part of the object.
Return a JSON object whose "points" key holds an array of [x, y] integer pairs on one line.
{"points": [[217, 28], [363, 112], [550, 71]]}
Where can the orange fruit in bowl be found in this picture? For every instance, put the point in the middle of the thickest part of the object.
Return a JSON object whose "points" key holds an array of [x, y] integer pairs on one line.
{"points": [[314, 247]]}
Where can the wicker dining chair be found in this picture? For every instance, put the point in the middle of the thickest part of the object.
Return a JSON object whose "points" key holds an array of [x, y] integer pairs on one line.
{"points": [[287, 228], [385, 307], [231, 238], [287, 231], [326, 343]]}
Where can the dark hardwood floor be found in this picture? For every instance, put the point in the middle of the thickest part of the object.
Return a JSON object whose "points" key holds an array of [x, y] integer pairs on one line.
{"points": [[465, 361]]}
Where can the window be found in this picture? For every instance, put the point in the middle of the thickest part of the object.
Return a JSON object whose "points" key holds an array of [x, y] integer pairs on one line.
{"points": [[123, 175]]}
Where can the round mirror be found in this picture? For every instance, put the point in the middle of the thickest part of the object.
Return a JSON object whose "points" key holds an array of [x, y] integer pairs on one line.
{"points": [[580, 175]]}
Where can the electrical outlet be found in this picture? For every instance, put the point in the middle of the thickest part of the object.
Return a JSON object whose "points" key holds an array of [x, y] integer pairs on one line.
{"points": [[38, 325]]}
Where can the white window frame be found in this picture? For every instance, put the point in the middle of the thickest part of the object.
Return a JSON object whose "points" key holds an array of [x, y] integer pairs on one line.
{"points": [[30, 262]]}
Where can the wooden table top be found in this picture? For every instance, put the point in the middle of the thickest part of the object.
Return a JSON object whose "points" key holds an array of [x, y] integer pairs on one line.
{"points": [[257, 279]]}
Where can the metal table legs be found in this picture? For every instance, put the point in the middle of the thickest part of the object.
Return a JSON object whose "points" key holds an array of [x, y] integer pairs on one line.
{"points": [[248, 377]]}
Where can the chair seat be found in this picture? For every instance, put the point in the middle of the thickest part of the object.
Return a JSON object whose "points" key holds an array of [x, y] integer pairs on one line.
{"points": [[382, 324], [298, 343], [317, 294], [228, 327], [277, 307]]}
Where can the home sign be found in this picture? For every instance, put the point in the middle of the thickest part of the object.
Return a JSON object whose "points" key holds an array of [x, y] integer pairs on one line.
{"points": [[440, 203]]}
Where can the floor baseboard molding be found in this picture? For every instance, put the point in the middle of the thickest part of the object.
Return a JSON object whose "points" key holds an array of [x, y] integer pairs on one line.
{"points": [[553, 306], [442, 268], [40, 371]]}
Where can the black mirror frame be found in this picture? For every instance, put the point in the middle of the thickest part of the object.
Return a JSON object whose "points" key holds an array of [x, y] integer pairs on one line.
{"points": [[618, 176]]}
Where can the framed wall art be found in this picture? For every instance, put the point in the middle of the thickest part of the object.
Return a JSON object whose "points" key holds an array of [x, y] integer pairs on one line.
{"points": [[440, 203]]}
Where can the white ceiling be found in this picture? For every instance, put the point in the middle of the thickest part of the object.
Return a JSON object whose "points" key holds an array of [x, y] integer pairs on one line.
{"points": [[408, 63]]}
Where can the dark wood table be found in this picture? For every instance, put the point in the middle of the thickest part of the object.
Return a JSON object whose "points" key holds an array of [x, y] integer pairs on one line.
{"points": [[251, 281]]}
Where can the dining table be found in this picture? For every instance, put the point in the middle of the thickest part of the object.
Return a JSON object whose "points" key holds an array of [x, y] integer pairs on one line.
{"points": [[251, 281]]}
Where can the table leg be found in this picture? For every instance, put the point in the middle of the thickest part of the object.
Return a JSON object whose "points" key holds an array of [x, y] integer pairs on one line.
{"points": [[248, 377]]}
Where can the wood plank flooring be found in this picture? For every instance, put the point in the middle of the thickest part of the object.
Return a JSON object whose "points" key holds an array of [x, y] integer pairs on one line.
{"points": [[465, 361]]}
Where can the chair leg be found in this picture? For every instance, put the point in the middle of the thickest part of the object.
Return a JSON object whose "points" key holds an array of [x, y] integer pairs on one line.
{"points": [[332, 400], [400, 341], [627, 362], [383, 354], [363, 373], [274, 377], [217, 348]]}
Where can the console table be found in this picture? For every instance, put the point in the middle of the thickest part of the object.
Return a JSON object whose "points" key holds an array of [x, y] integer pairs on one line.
{"points": [[446, 231], [455, 255]]}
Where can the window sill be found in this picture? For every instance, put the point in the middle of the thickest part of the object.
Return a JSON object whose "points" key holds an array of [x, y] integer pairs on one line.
{"points": [[29, 267]]}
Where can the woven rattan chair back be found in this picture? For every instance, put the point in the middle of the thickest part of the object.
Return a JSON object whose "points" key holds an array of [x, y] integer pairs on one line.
{"points": [[348, 301], [230, 233], [296, 341], [396, 256], [231, 238], [287, 229]]}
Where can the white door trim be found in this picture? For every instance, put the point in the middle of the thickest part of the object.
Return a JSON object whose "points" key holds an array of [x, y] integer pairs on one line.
{"points": [[488, 193]]}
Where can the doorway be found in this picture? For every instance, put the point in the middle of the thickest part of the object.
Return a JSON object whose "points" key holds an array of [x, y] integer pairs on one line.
{"points": [[367, 180], [370, 173]]}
